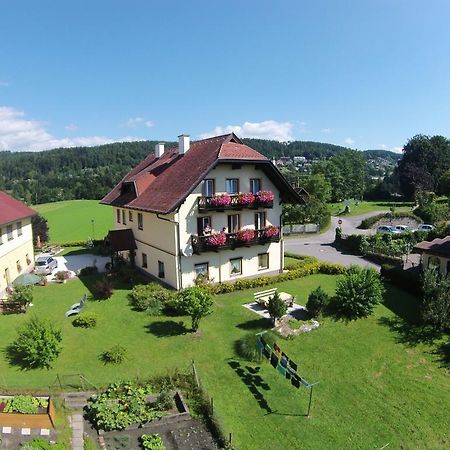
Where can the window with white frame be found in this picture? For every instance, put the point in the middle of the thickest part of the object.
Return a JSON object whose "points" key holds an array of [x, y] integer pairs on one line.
{"points": [[234, 223], [9, 232], [201, 269], [232, 185], [140, 221], [260, 220], [255, 185], [208, 188], [118, 215], [263, 261], [235, 266], [19, 228], [124, 217], [130, 216]]}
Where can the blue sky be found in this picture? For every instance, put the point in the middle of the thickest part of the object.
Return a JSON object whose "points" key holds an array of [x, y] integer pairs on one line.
{"points": [[361, 73]]}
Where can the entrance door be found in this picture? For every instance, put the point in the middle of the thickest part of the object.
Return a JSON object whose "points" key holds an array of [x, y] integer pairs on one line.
{"points": [[202, 223]]}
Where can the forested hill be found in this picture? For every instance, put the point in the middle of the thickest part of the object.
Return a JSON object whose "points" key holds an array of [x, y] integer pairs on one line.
{"points": [[90, 172], [385, 154]]}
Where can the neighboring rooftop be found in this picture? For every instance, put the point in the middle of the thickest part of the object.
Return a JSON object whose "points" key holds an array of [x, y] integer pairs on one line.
{"points": [[12, 209], [161, 184], [438, 247]]}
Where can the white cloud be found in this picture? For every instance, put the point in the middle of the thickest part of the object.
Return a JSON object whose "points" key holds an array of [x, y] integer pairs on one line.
{"points": [[17, 133], [397, 149], [269, 129], [326, 130], [134, 122], [349, 141], [383, 146], [71, 127]]}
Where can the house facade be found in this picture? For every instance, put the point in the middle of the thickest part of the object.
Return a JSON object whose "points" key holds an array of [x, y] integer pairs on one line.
{"points": [[16, 241], [208, 207], [435, 254]]}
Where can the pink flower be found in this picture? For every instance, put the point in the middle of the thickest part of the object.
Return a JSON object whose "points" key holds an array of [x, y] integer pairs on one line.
{"points": [[246, 234], [216, 240], [221, 200], [246, 198], [264, 196], [271, 231]]}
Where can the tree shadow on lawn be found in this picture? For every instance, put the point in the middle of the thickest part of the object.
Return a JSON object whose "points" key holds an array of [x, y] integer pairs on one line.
{"points": [[255, 324], [254, 382], [14, 358], [166, 328]]}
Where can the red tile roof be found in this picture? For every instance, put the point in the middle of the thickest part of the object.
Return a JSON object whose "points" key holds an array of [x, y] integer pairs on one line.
{"points": [[11, 209], [440, 247], [161, 184]]}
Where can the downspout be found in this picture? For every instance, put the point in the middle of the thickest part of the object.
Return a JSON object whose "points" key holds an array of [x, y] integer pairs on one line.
{"points": [[177, 245], [282, 244]]}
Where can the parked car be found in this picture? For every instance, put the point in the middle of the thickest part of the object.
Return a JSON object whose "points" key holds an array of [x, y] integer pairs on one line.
{"points": [[45, 265], [403, 228], [425, 227], [387, 229]]}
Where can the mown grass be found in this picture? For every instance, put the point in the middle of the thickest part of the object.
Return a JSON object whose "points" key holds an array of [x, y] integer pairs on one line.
{"points": [[71, 220], [365, 207], [376, 388]]}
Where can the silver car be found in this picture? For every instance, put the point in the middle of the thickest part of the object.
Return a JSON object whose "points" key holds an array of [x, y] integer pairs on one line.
{"points": [[403, 228], [45, 265], [387, 229]]}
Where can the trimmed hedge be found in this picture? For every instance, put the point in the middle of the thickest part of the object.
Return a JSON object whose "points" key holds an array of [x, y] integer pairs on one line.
{"points": [[405, 279], [371, 221], [310, 268]]}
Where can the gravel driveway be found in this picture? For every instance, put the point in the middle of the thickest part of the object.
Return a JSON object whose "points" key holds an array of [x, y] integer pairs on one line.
{"points": [[321, 245]]}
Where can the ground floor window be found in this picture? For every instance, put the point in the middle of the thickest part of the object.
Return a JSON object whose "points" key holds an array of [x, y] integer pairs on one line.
{"points": [[161, 273], [19, 267], [235, 266], [144, 261], [201, 269], [263, 261]]}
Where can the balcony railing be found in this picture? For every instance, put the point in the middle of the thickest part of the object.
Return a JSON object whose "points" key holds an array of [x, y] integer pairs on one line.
{"points": [[230, 241], [226, 202]]}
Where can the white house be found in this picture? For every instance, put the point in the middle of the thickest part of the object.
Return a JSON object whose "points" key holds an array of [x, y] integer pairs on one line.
{"points": [[16, 240], [211, 207]]}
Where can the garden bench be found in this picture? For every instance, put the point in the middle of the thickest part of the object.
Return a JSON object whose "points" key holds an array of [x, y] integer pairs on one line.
{"points": [[76, 307], [263, 297]]}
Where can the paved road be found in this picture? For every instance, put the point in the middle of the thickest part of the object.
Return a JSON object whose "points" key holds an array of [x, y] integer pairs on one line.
{"points": [[321, 245]]}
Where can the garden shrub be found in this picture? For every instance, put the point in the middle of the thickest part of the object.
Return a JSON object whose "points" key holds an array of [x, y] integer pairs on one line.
{"points": [[62, 275], [85, 320], [22, 295], [436, 299], [152, 442], [23, 404], [115, 355], [103, 288], [39, 443], [276, 308], [317, 302], [89, 270], [245, 347], [404, 279], [165, 400], [196, 302], [38, 343], [151, 297], [357, 293]]}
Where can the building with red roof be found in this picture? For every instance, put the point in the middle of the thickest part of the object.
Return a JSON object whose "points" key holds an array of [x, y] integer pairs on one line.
{"points": [[209, 207], [435, 253], [16, 240]]}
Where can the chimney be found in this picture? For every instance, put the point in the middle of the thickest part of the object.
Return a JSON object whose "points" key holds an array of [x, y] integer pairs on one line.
{"points": [[184, 142], [159, 150]]}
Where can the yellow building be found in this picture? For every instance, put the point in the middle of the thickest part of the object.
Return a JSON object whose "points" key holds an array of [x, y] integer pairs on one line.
{"points": [[16, 241], [209, 207]]}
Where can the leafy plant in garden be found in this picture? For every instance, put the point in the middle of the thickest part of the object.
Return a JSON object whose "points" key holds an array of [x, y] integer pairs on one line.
{"points": [[85, 320], [150, 297], [436, 299], [38, 344], [24, 404], [103, 288], [115, 355], [196, 302], [22, 295], [357, 292], [152, 442], [318, 300], [277, 308], [246, 348]]}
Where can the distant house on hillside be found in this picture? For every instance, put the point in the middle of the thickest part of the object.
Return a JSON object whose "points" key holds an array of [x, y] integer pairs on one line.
{"points": [[16, 240], [436, 254], [208, 207]]}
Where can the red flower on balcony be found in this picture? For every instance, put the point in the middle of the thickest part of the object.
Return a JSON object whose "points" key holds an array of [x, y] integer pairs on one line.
{"points": [[217, 240], [246, 198], [271, 231], [246, 235], [221, 200], [264, 196]]}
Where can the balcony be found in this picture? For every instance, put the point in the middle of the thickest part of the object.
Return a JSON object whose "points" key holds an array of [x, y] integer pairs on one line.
{"points": [[230, 241], [227, 202]]}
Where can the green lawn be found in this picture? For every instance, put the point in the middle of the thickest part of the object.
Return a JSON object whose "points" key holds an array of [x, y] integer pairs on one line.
{"points": [[373, 389], [366, 207], [71, 220]]}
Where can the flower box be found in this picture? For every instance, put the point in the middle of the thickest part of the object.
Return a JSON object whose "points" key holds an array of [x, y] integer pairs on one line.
{"points": [[271, 231], [246, 235], [221, 200], [246, 198], [264, 197], [217, 240]]}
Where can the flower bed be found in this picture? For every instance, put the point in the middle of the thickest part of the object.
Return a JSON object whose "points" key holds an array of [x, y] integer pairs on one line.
{"points": [[26, 411]]}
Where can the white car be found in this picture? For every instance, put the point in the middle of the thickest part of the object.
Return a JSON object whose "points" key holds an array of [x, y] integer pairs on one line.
{"points": [[45, 265], [425, 227], [402, 228], [387, 229]]}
